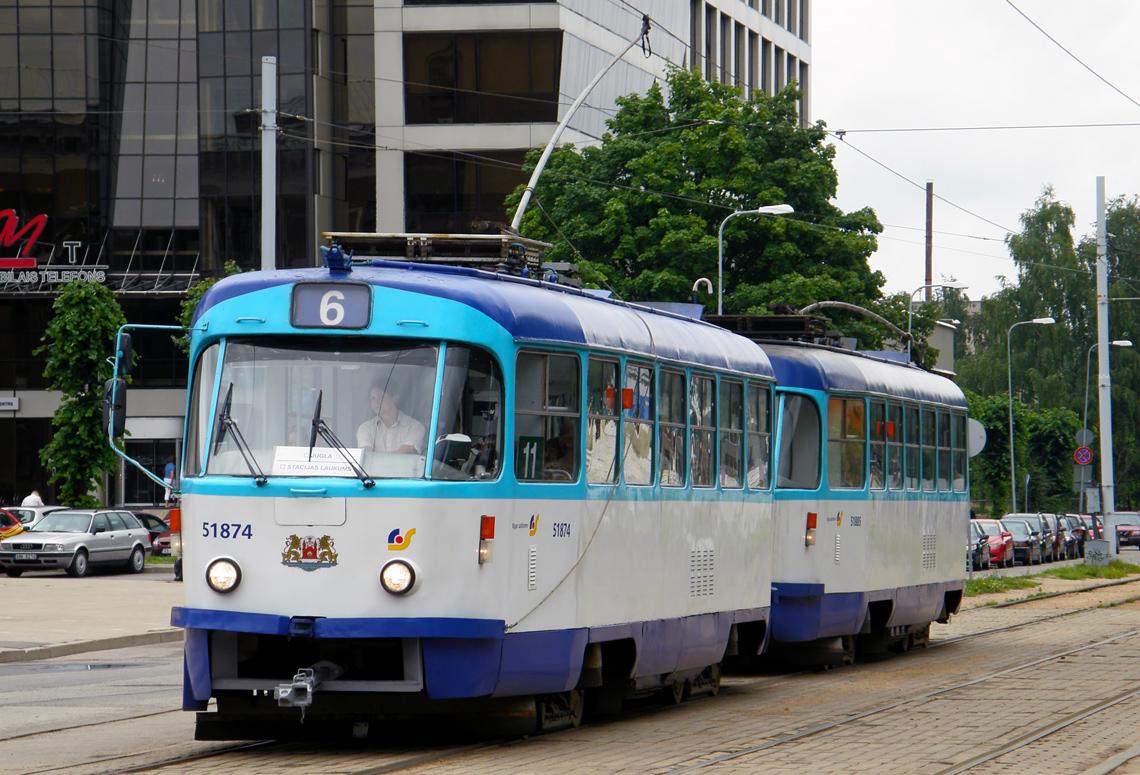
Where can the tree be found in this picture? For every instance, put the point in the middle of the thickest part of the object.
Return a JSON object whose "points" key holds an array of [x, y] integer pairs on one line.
{"points": [[77, 344], [640, 213]]}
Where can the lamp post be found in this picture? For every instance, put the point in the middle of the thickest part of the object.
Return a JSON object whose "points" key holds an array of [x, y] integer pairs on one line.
{"points": [[770, 210], [1009, 368], [910, 307], [1088, 374]]}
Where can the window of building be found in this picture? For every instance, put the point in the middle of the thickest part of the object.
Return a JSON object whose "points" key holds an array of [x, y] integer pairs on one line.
{"points": [[846, 443], [138, 488], [459, 193], [702, 433], [482, 77], [603, 403], [799, 444], [731, 434], [672, 409], [637, 428], [759, 442], [547, 417]]}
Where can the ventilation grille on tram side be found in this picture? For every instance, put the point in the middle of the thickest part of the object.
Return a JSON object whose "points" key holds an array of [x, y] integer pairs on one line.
{"points": [[701, 572]]}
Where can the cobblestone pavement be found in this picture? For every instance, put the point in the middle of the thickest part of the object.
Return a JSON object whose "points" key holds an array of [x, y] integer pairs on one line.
{"points": [[926, 712]]}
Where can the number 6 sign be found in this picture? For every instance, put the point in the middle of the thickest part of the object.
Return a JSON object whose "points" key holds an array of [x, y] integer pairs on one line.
{"points": [[331, 305]]}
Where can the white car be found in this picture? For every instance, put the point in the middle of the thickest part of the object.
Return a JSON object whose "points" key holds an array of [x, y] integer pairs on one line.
{"points": [[75, 540], [30, 515]]}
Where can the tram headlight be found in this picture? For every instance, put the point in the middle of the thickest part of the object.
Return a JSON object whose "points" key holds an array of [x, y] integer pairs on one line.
{"points": [[223, 575], [397, 577]]}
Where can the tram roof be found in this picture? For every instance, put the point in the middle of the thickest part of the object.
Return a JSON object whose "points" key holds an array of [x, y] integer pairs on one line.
{"points": [[534, 310], [823, 368]]}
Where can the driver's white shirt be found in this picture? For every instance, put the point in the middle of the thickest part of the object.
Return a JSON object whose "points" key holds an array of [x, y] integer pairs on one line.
{"points": [[389, 438]]}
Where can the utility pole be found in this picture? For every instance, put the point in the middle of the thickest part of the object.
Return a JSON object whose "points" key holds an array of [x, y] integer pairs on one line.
{"points": [[268, 163], [1104, 381], [929, 238]]}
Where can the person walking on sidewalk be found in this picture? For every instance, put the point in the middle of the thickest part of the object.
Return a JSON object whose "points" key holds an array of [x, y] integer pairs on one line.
{"points": [[168, 477]]}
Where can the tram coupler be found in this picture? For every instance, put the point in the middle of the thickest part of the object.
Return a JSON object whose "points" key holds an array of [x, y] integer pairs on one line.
{"points": [[299, 693]]}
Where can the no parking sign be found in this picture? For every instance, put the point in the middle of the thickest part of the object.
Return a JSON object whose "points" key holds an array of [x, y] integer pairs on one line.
{"points": [[1083, 456]]}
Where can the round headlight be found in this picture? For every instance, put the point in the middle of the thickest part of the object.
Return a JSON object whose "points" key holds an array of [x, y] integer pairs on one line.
{"points": [[397, 577], [223, 575]]}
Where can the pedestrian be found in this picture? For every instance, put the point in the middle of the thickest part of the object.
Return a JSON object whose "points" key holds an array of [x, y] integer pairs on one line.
{"points": [[168, 478], [33, 499]]}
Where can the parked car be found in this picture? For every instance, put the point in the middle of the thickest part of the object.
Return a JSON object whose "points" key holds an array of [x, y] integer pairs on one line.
{"points": [[9, 525], [75, 540], [154, 525], [1094, 528], [977, 549], [1042, 525], [1128, 528], [1000, 540], [1028, 544], [160, 547], [30, 515], [1078, 531], [1064, 542]]}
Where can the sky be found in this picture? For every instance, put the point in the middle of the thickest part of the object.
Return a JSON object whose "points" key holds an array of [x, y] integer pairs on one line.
{"points": [[942, 64]]}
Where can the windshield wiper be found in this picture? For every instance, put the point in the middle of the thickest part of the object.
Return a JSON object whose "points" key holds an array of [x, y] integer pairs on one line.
{"points": [[227, 423], [321, 427]]}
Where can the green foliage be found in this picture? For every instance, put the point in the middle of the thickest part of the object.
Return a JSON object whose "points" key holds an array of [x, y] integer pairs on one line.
{"points": [[1116, 569], [190, 303], [641, 212], [77, 344], [988, 585]]}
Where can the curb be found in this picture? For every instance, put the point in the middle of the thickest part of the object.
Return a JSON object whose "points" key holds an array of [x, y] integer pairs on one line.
{"points": [[101, 644]]}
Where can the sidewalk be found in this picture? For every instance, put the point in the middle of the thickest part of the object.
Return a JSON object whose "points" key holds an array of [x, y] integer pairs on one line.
{"points": [[49, 614]]}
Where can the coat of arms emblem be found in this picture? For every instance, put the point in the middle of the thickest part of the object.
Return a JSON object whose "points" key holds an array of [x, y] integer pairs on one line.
{"points": [[308, 552]]}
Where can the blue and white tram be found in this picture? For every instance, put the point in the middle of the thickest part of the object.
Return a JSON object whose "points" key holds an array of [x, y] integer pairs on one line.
{"points": [[871, 502], [578, 498]]}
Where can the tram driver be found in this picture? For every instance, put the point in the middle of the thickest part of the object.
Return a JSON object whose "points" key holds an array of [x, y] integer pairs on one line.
{"points": [[391, 430]]}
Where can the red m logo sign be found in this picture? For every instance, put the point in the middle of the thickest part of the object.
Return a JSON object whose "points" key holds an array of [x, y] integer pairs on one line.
{"points": [[9, 234]]}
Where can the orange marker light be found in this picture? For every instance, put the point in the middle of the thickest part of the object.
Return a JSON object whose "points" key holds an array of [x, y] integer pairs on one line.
{"points": [[486, 528], [811, 519]]}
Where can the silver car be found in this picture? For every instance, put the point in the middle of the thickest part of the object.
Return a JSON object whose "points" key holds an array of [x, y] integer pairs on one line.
{"points": [[30, 515], [75, 540]]}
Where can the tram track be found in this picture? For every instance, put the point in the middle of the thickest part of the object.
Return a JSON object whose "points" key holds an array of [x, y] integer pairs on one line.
{"points": [[405, 759]]}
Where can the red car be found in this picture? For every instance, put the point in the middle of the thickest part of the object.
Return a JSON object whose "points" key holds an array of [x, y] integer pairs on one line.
{"points": [[1001, 541], [1127, 528], [9, 525]]}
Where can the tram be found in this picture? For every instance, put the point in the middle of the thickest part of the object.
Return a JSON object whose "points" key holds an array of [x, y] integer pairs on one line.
{"points": [[422, 483]]}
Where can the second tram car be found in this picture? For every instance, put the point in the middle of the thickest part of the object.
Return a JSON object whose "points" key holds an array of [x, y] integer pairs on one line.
{"points": [[411, 489]]}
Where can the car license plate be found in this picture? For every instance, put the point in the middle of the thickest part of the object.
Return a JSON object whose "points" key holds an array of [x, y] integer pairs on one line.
{"points": [[25, 556]]}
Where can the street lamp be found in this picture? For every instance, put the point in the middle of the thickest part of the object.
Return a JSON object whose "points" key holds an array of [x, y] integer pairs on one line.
{"points": [[770, 210], [910, 307], [1088, 375], [1009, 367]]}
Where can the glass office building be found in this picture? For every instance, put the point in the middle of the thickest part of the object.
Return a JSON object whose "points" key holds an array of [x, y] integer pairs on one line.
{"points": [[130, 147]]}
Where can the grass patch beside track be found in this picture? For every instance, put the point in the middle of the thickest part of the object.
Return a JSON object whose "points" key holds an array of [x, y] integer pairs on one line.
{"points": [[1114, 570], [991, 584], [166, 559]]}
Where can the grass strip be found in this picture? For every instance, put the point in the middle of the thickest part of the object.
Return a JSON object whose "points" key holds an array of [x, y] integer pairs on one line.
{"points": [[992, 584], [1114, 570]]}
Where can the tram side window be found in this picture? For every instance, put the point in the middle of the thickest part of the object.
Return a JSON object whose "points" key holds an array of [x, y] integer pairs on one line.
{"points": [[759, 437], [702, 420], [959, 445], [637, 429], [198, 423], [846, 443], [944, 473], [731, 434], [467, 438], [547, 414], [798, 460], [913, 449], [895, 446], [929, 449], [878, 450], [603, 402], [673, 404]]}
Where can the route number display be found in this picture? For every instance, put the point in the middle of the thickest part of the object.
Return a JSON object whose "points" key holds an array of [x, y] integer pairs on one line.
{"points": [[332, 305]]}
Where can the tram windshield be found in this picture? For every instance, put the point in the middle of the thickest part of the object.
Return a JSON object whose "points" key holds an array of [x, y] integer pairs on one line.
{"points": [[370, 400]]}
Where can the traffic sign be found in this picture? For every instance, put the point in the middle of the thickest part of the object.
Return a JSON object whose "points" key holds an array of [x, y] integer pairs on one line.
{"points": [[1083, 456], [1084, 437]]}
